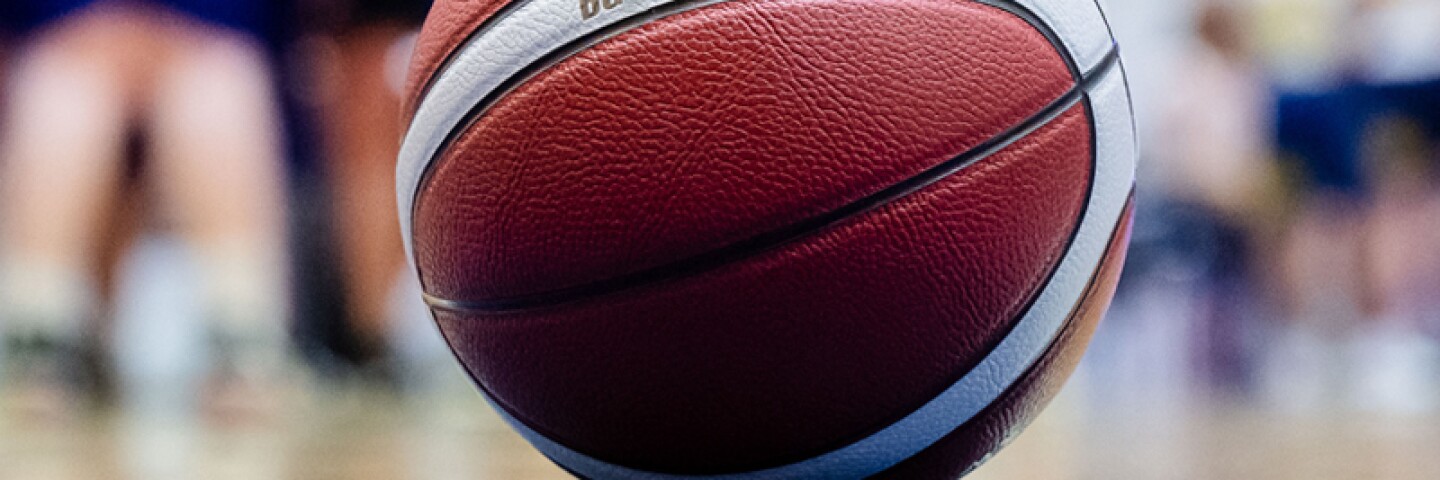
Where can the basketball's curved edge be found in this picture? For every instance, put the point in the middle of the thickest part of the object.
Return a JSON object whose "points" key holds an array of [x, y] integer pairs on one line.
{"points": [[969, 446], [456, 91], [1028, 343]]}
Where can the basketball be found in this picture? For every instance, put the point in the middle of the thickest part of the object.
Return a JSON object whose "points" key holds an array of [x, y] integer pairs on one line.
{"points": [[767, 238]]}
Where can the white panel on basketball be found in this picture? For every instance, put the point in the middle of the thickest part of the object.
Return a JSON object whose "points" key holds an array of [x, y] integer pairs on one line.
{"points": [[1115, 148], [1080, 25], [527, 34]]}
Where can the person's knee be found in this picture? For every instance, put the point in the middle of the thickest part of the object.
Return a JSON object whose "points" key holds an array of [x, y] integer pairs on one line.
{"points": [[231, 56]]}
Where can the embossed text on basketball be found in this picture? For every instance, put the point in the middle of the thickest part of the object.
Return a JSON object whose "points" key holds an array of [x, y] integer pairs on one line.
{"points": [[591, 8]]}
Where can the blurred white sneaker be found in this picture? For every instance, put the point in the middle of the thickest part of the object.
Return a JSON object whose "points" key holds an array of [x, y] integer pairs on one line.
{"points": [[51, 366], [1393, 370], [48, 378], [252, 379]]}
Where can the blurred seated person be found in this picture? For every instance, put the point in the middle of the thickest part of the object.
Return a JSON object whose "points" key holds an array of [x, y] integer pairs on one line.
{"points": [[1214, 169], [362, 57], [1398, 66], [1354, 271], [9, 23], [190, 79]]}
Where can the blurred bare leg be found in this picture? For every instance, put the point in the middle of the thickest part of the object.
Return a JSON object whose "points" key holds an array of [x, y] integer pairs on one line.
{"points": [[1319, 265], [1392, 357], [217, 165], [362, 113], [4, 77], [1322, 268], [1402, 229], [63, 137], [64, 132]]}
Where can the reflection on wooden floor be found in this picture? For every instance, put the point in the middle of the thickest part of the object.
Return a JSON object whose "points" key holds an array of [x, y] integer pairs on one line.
{"points": [[365, 436]]}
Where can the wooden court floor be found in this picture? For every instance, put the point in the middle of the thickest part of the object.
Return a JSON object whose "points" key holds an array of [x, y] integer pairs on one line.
{"points": [[364, 435]]}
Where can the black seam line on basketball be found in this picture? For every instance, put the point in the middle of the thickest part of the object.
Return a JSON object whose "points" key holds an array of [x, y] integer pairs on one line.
{"points": [[1029, 16], [1124, 76], [961, 371], [1105, 67], [1049, 275], [1082, 215], [534, 426], [1024, 13], [445, 63], [554, 57], [1069, 60], [586, 41], [775, 238], [513, 412]]}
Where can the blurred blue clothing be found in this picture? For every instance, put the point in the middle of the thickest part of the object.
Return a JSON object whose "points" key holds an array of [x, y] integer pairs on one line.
{"points": [[9, 18], [1418, 101], [256, 17], [25, 15], [1325, 132]]}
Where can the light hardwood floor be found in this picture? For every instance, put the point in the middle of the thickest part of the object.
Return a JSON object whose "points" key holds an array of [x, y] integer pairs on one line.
{"points": [[364, 435]]}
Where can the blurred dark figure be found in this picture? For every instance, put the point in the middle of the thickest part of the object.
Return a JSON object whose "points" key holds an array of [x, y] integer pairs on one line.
{"points": [[7, 30], [1397, 66], [359, 55], [1209, 210], [1358, 263], [1216, 170], [190, 79], [1400, 69]]}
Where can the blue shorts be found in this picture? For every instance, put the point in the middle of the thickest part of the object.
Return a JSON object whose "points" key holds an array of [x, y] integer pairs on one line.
{"points": [[1325, 132], [1417, 101], [256, 17], [24, 15]]}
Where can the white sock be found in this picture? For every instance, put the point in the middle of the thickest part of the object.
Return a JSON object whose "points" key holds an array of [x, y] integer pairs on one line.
{"points": [[45, 301]]}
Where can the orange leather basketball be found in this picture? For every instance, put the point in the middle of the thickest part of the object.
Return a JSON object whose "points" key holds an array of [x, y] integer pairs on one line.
{"points": [[767, 238]]}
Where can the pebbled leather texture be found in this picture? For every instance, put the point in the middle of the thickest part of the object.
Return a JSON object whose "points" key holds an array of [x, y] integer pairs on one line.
{"points": [[1080, 24], [707, 127], [715, 125], [971, 444], [447, 26], [518, 35], [802, 349]]}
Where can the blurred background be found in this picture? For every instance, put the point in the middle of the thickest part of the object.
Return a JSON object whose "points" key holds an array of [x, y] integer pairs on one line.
{"points": [[201, 273]]}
